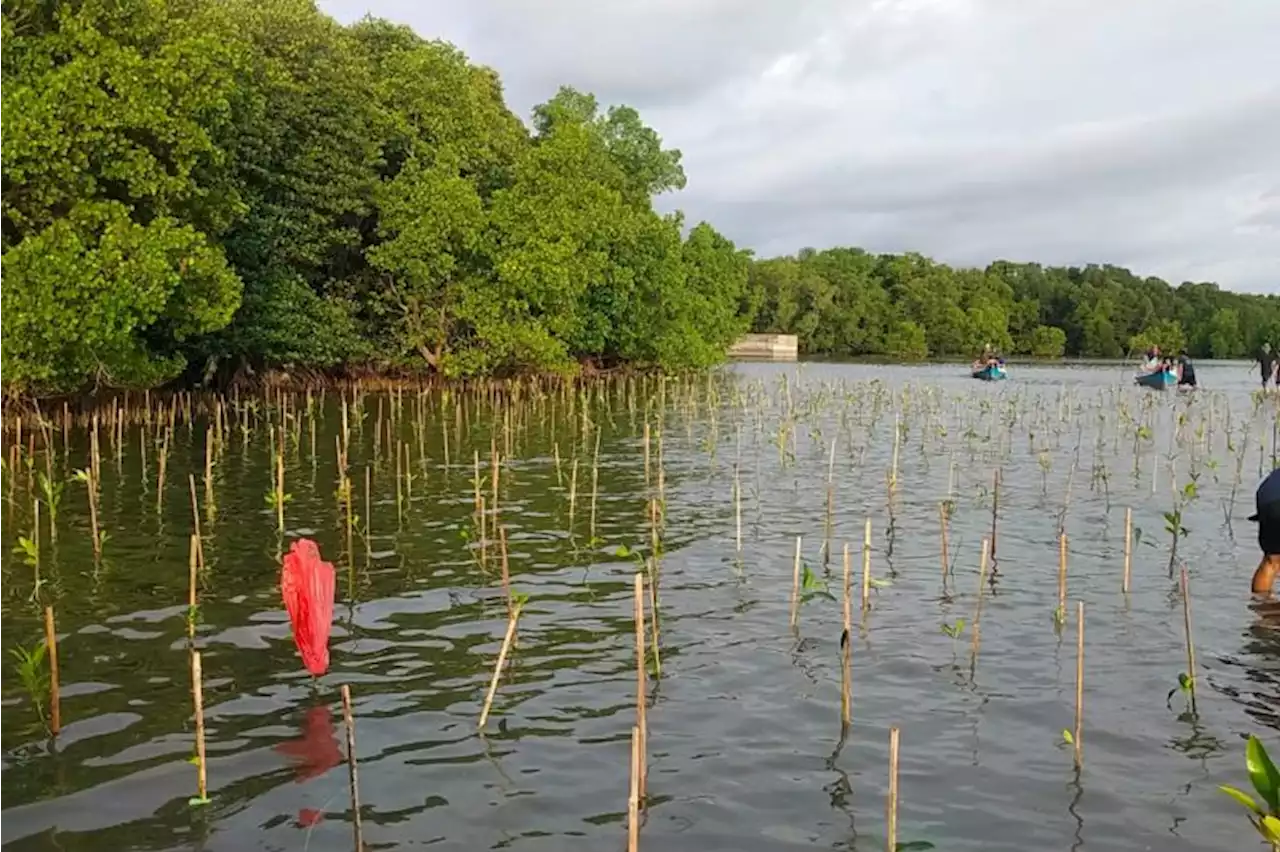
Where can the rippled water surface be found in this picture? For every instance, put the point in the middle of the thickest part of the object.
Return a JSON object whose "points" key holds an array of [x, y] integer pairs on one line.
{"points": [[745, 746]]}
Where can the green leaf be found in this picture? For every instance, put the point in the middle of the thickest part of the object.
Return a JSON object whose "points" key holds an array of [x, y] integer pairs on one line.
{"points": [[1241, 797], [624, 552], [197, 801], [808, 581], [880, 584], [1184, 682], [1263, 774], [1270, 828], [1067, 737]]}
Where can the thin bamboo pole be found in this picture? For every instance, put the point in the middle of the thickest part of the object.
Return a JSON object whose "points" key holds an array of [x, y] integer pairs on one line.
{"points": [[197, 696], [641, 678], [1079, 727], [55, 699], [1128, 549], [891, 803], [349, 722], [1191, 648], [633, 800], [497, 669], [846, 645], [795, 586]]}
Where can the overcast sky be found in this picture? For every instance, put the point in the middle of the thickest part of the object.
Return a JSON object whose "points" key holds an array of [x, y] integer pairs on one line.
{"points": [[1144, 133]]}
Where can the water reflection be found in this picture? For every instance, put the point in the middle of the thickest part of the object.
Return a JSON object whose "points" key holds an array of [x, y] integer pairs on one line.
{"points": [[313, 754]]}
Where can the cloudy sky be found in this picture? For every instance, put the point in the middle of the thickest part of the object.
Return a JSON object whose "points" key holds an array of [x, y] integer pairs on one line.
{"points": [[1144, 133]]}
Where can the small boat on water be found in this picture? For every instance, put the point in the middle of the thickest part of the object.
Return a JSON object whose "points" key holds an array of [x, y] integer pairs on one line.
{"points": [[991, 373], [1157, 379]]}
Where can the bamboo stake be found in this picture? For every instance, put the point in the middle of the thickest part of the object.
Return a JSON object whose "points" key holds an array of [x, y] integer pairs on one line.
{"points": [[573, 492], [795, 586], [737, 507], [641, 679], [995, 509], [349, 722], [193, 564], [977, 614], [946, 556], [891, 804], [280, 482], [653, 622], [497, 669], [1128, 548], [595, 486], [633, 800], [1062, 574], [195, 516], [866, 565], [1191, 648], [197, 695], [846, 646], [1079, 739], [55, 699]]}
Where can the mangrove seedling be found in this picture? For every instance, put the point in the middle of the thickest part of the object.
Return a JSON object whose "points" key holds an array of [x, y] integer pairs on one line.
{"points": [[1184, 686], [1264, 812], [812, 587], [52, 491], [29, 550], [33, 671], [953, 630]]}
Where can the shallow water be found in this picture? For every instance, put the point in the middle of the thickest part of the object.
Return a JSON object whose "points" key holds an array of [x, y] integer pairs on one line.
{"points": [[745, 747]]}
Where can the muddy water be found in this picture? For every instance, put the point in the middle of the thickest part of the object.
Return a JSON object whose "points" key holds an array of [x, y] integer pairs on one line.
{"points": [[746, 750]]}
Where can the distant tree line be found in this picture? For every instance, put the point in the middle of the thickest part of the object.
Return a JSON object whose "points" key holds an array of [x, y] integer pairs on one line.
{"points": [[848, 302], [194, 190]]}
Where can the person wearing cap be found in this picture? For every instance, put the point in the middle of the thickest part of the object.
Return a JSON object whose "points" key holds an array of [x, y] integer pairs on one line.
{"points": [[1267, 517]]}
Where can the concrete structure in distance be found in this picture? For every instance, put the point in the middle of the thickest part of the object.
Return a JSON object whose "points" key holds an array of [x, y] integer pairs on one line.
{"points": [[767, 347]]}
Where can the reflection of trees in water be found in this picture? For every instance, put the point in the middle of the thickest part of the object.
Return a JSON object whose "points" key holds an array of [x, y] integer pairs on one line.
{"points": [[1260, 659]]}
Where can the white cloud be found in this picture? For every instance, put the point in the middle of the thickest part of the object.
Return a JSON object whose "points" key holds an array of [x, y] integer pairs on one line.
{"points": [[1143, 133]]}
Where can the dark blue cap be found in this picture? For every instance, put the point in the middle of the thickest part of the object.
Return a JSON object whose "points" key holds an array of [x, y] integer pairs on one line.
{"points": [[1268, 493]]}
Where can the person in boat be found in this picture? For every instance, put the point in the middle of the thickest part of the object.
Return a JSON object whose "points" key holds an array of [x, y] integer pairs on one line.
{"points": [[988, 358], [1266, 361], [1267, 517], [1186, 371]]}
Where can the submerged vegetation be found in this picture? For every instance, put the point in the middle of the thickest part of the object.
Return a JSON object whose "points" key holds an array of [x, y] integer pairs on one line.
{"points": [[199, 190]]}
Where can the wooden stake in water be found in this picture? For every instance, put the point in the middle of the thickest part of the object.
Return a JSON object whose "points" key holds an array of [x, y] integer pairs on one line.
{"points": [[795, 586], [1128, 549], [995, 509], [641, 678], [497, 669], [55, 699], [653, 622], [595, 486], [633, 800], [1191, 648], [197, 696], [193, 565], [977, 613], [1062, 575], [891, 803], [946, 555], [737, 507], [349, 722], [846, 645], [866, 565], [195, 518], [831, 499], [1078, 735]]}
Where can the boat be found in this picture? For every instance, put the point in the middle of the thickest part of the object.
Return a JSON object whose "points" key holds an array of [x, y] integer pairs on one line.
{"points": [[1157, 379], [991, 373]]}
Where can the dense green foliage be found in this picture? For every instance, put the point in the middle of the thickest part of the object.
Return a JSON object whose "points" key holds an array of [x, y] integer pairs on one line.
{"points": [[195, 188], [849, 302]]}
